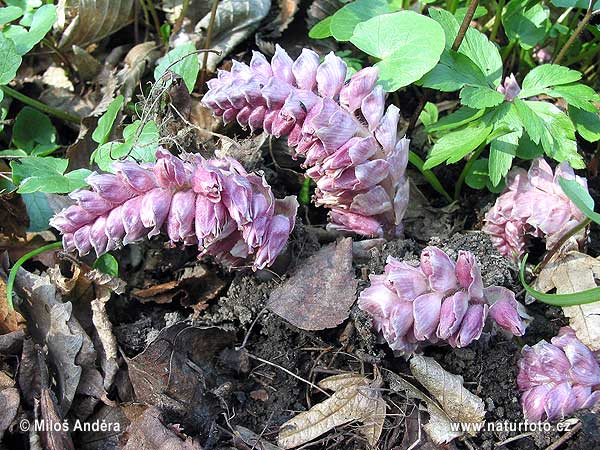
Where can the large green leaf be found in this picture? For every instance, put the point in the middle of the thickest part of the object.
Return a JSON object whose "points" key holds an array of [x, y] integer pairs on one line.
{"points": [[344, 21], [480, 97], [574, 4], [43, 19], [408, 44], [485, 54], [586, 123], [10, 60], [321, 29], [448, 22], [580, 197], [106, 122], [525, 25], [182, 60], [456, 119], [576, 94], [545, 76], [34, 133], [9, 14], [38, 210], [452, 73], [37, 174]]}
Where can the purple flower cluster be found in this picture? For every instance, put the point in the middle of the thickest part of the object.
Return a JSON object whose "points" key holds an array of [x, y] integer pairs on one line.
{"points": [[558, 378], [215, 203], [532, 204], [438, 301], [342, 129]]}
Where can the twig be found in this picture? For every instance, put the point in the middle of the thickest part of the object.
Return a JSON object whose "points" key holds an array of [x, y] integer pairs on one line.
{"points": [[179, 21], [264, 361], [465, 24], [209, 31], [572, 232], [41, 106], [512, 439], [565, 437], [576, 33]]}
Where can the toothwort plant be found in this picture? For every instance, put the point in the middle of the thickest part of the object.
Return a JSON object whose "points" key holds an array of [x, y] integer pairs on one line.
{"points": [[558, 378], [437, 301], [229, 213], [348, 139]]}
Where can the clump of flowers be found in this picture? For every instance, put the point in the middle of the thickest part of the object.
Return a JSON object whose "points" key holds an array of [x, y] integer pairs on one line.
{"points": [[437, 301], [558, 378], [533, 204], [342, 129], [229, 213]]}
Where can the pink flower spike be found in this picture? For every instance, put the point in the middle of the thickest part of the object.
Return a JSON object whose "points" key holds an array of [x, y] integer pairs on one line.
{"points": [[426, 310], [439, 269], [468, 274], [331, 76], [452, 313], [359, 86], [472, 325]]}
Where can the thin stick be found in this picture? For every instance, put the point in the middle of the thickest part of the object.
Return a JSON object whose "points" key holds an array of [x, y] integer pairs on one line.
{"points": [[179, 22], [211, 25], [576, 33], [264, 361], [41, 106], [465, 24], [565, 437]]}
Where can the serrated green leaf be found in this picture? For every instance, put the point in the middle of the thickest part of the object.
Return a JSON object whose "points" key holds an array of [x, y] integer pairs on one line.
{"points": [[584, 4], [10, 13], [461, 12], [484, 54], [454, 71], [586, 123], [344, 21], [408, 44], [38, 210], [46, 174], [106, 122], [580, 197], [183, 61], [43, 19], [429, 115], [545, 76], [321, 29], [527, 149], [448, 22], [107, 264], [525, 25], [34, 133], [502, 151], [480, 97], [576, 94], [10, 61], [455, 145], [456, 119]]}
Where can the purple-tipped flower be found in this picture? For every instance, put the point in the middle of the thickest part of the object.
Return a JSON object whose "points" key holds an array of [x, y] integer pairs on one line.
{"points": [[213, 203], [559, 378], [533, 204], [347, 138], [437, 301], [510, 88]]}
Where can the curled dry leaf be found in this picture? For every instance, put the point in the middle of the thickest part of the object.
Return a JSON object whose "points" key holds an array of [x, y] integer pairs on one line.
{"points": [[321, 290], [569, 273], [92, 20], [459, 404], [10, 320], [355, 398], [136, 63], [234, 22]]}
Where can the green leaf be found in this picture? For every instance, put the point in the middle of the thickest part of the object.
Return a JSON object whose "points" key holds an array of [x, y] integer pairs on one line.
{"points": [[460, 13], [453, 72], [448, 22], [454, 146], [456, 119], [43, 19], [580, 197], [141, 148], [502, 151], [9, 14], [576, 298], [545, 76], [321, 29], [586, 123], [37, 174], [34, 133], [38, 210], [576, 94], [584, 4], [183, 61], [477, 176], [525, 25], [408, 44], [107, 264], [344, 21], [484, 54], [480, 97], [429, 115], [304, 194], [10, 61], [527, 149], [106, 122]]}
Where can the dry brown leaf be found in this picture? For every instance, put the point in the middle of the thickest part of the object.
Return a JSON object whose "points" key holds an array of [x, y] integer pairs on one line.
{"points": [[575, 272], [459, 404], [355, 398], [253, 440], [10, 320], [137, 61], [320, 292]]}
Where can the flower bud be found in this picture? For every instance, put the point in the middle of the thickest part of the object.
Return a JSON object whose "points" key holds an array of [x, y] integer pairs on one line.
{"points": [[452, 313], [331, 76], [282, 65], [305, 69], [358, 87], [373, 106], [439, 269]]}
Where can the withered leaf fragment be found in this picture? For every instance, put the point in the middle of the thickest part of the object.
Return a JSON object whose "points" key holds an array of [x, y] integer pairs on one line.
{"points": [[320, 292], [355, 399]]}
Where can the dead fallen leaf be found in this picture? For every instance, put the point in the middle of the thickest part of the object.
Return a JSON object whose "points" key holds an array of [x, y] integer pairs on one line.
{"points": [[459, 404], [137, 62], [9, 402], [320, 292], [575, 272], [355, 398], [319, 9], [149, 432], [10, 319], [14, 220], [252, 440]]}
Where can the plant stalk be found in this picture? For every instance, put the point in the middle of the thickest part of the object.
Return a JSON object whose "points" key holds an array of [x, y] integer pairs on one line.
{"points": [[179, 22], [465, 24], [572, 232], [466, 169], [575, 34], [497, 20], [41, 106], [211, 25], [416, 161]]}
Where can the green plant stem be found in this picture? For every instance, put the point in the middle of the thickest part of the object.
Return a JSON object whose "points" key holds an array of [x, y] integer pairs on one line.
{"points": [[41, 106], [464, 26], [452, 5], [154, 15], [12, 276], [405, 4], [209, 31], [465, 171], [497, 20], [416, 161], [507, 51], [572, 232], [575, 34]]}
